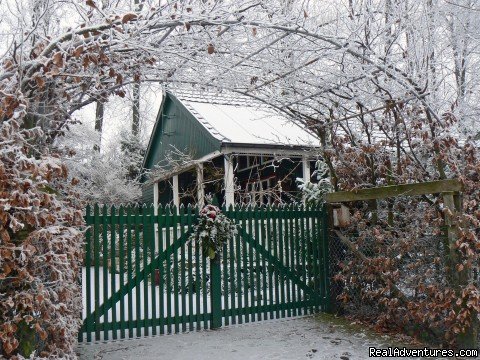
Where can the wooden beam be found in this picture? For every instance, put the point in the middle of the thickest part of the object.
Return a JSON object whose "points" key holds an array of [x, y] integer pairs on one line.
{"points": [[432, 187]]}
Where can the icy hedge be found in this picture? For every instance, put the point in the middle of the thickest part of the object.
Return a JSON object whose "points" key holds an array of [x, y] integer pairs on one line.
{"points": [[40, 245]]}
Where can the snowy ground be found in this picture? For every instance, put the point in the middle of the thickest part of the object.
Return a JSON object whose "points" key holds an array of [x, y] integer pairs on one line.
{"points": [[310, 337]]}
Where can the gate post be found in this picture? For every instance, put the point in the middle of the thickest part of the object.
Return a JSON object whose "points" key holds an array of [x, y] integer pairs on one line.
{"points": [[215, 293]]}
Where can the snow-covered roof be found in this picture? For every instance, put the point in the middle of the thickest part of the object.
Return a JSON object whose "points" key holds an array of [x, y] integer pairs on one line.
{"points": [[243, 121]]}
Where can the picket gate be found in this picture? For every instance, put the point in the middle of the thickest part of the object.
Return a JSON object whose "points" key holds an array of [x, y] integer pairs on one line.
{"points": [[142, 276]]}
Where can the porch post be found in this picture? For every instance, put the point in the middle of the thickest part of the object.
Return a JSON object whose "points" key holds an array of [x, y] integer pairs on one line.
{"points": [[176, 194], [200, 186], [306, 169], [155, 198], [228, 179]]}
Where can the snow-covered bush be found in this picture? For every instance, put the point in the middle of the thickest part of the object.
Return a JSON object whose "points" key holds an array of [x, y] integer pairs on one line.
{"points": [[314, 193], [108, 177], [40, 244]]}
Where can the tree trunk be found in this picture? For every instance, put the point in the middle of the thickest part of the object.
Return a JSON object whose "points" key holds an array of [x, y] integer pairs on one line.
{"points": [[99, 114], [136, 109]]}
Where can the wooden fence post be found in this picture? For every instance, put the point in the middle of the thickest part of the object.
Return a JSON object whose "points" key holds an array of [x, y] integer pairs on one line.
{"points": [[216, 293]]}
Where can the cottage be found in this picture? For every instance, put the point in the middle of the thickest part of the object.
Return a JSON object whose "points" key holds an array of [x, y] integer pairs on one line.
{"points": [[227, 147]]}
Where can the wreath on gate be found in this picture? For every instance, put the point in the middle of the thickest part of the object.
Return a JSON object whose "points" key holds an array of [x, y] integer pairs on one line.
{"points": [[212, 231]]}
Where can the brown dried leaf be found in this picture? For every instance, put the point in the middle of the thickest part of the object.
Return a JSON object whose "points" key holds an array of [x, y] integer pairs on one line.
{"points": [[40, 82], [5, 236], [58, 59], [210, 49], [91, 3], [6, 269], [128, 17], [78, 51]]}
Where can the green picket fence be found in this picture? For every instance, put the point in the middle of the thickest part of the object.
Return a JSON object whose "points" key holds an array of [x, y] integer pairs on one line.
{"points": [[142, 276]]}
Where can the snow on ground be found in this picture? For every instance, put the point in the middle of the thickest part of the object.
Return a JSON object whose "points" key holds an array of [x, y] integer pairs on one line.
{"points": [[310, 337]]}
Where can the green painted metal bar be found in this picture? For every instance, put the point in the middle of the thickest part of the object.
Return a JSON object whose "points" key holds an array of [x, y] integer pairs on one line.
{"points": [[197, 284], [215, 293], [310, 263], [293, 263], [287, 259], [88, 275], [204, 291], [310, 258], [144, 253], [183, 222], [238, 258], [225, 274], [259, 269], [190, 272], [161, 268], [113, 268], [251, 267], [296, 305], [175, 269], [281, 259], [268, 240], [276, 279], [315, 262], [298, 264], [138, 313], [244, 265], [130, 271], [151, 245], [231, 249], [262, 242], [153, 322], [168, 273], [105, 266], [224, 279], [121, 248], [303, 258]]}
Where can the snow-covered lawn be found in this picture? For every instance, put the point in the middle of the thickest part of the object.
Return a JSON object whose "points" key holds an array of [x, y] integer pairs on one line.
{"points": [[315, 337]]}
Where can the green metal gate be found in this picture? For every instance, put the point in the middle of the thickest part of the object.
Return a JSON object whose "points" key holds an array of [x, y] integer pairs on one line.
{"points": [[142, 276]]}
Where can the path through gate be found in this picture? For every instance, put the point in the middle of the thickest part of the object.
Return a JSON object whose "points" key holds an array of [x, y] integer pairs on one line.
{"points": [[143, 277]]}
